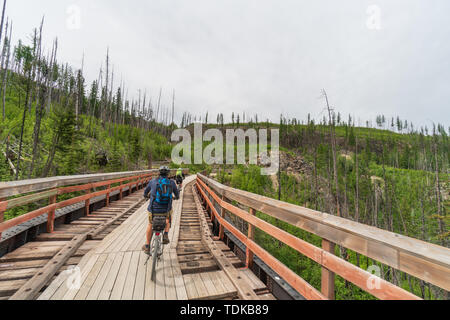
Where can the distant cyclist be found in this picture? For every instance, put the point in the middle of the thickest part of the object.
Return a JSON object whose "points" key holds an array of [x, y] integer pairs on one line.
{"points": [[160, 192], [180, 177]]}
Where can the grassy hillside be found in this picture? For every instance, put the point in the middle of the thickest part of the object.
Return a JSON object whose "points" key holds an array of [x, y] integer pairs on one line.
{"points": [[87, 146]]}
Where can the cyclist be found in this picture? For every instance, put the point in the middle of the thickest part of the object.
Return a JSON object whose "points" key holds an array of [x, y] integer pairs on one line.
{"points": [[160, 191], [180, 177]]}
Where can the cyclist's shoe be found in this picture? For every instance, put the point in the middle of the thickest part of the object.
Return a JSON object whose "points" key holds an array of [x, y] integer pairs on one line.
{"points": [[146, 249], [166, 239]]}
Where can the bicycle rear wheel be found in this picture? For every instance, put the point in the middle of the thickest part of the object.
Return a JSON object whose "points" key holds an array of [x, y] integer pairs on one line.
{"points": [[155, 257]]}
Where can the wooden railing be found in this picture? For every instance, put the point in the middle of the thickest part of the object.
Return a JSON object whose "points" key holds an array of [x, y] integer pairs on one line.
{"points": [[51, 188], [423, 260]]}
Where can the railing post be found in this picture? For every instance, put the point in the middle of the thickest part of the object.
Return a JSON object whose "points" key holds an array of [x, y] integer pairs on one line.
{"points": [[211, 214], [51, 216], [222, 214], [107, 195], [2, 214], [251, 236], [121, 192], [130, 187], [87, 203], [328, 276], [144, 184]]}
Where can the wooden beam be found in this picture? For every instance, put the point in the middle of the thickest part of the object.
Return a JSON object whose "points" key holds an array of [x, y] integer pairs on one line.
{"points": [[11, 165], [2, 213], [251, 236], [244, 289], [17, 202], [51, 215], [327, 275], [93, 185], [222, 214], [99, 229], [26, 217], [32, 287], [2, 209], [108, 187], [87, 204]]}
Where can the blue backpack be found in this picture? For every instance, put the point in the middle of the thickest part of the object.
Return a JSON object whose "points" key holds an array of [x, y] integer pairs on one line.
{"points": [[163, 192]]}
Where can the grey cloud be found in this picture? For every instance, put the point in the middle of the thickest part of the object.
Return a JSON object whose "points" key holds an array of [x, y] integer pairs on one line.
{"points": [[264, 56]]}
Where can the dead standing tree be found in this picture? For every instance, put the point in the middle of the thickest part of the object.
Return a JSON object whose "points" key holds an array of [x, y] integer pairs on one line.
{"points": [[173, 107], [43, 97], [3, 20], [105, 94], [333, 147], [440, 216], [40, 102], [53, 72], [6, 46], [27, 54]]}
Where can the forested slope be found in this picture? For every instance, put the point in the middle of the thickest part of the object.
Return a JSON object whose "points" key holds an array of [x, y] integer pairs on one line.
{"points": [[397, 181], [52, 123]]}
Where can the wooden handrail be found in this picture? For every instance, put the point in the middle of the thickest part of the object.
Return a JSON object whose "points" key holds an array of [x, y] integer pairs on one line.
{"points": [[294, 280], [13, 188], [138, 179], [17, 202], [361, 278], [423, 260], [52, 207]]}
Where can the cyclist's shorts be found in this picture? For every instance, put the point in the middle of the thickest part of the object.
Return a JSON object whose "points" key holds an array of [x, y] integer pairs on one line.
{"points": [[169, 214]]}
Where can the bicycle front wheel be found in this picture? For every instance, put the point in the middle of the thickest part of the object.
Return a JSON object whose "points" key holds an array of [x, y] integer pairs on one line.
{"points": [[155, 257]]}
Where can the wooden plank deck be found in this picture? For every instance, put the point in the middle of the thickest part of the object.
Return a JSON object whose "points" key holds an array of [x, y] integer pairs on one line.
{"points": [[19, 266], [115, 268]]}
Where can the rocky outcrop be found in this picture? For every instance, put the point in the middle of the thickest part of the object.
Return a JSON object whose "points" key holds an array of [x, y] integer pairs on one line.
{"points": [[294, 164]]}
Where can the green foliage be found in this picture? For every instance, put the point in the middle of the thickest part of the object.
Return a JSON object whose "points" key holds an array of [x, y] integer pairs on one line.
{"points": [[250, 179], [67, 141], [79, 147], [115, 164], [136, 149], [406, 200]]}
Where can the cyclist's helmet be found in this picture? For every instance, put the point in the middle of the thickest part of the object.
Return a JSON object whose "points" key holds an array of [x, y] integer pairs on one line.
{"points": [[164, 171]]}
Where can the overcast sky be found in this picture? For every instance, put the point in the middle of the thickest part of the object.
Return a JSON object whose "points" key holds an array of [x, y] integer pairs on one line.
{"points": [[261, 56]]}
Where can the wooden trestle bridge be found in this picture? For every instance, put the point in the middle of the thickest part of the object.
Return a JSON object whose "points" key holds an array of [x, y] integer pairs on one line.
{"points": [[83, 242]]}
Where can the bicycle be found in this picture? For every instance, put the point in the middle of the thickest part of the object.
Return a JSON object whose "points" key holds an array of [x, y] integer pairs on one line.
{"points": [[179, 181], [157, 246], [159, 223]]}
